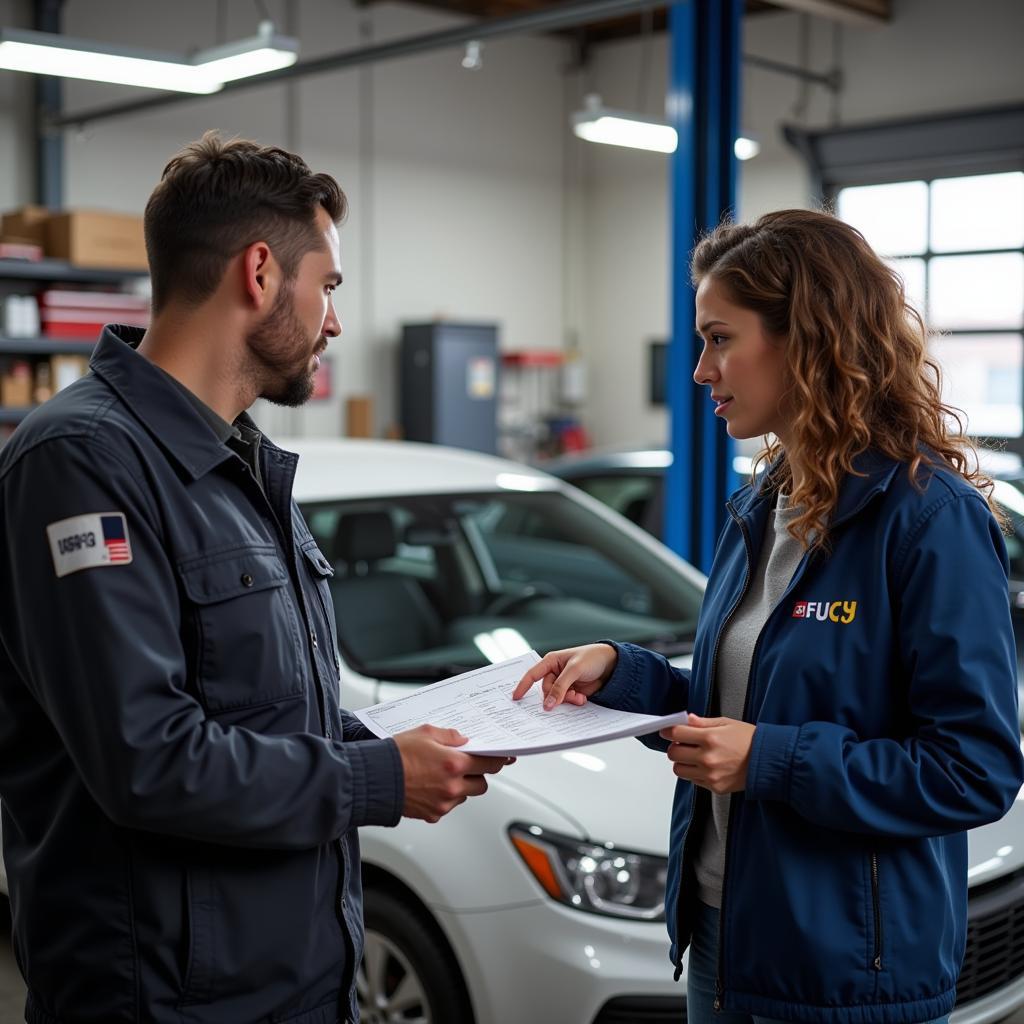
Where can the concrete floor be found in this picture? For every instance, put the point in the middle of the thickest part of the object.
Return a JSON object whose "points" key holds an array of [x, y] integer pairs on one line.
{"points": [[12, 991]]}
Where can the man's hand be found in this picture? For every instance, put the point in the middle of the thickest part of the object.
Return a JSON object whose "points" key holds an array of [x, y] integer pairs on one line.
{"points": [[571, 675], [437, 777], [711, 752]]}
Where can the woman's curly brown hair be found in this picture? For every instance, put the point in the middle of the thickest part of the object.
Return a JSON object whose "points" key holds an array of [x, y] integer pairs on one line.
{"points": [[856, 353]]}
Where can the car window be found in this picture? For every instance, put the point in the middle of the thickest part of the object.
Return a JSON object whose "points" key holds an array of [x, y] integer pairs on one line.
{"points": [[450, 582], [411, 555], [630, 495]]}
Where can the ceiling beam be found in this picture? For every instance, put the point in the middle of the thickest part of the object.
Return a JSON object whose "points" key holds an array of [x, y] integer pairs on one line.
{"points": [[545, 19], [853, 12]]}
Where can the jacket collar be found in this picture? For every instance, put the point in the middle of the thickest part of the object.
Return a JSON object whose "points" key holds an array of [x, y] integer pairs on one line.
{"points": [[155, 402], [873, 472]]}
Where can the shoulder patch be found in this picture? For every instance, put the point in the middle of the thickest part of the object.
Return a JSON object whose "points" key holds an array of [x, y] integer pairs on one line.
{"points": [[85, 542]]}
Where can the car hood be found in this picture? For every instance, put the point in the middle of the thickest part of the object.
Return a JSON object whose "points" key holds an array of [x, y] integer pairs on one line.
{"points": [[621, 792]]}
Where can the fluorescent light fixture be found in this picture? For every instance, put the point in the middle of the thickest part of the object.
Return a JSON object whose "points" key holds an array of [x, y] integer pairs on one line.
{"points": [[266, 51], [47, 53], [597, 123]]}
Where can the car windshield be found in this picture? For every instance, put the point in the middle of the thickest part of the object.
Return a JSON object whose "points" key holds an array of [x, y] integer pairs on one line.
{"points": [[429, 586]]}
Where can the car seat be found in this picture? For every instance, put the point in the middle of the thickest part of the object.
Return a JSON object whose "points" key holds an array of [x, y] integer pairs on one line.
{"points": [[380, 614]]}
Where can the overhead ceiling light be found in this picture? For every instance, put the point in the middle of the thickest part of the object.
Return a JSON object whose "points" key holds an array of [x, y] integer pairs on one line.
{"points": [[47, 53], [263, 52], [472, 60], [746, 148], [598, 123]]}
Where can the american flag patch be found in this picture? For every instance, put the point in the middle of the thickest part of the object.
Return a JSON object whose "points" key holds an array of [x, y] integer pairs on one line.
{"points": [[89, 541], [115, 536]]}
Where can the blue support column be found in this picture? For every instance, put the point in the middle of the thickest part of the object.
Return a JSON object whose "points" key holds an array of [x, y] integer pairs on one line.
{"points": [[49, 97], [704, 109]]}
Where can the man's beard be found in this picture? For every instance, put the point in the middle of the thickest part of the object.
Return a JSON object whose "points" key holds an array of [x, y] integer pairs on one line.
{"points": [[280, 349]]}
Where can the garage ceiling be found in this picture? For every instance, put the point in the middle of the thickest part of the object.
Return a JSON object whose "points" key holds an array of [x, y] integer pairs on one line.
{"points": [[861, 12]]}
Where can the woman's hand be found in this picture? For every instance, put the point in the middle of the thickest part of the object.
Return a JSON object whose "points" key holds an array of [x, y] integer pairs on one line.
{"points": [[571, 676], [711, 752]]}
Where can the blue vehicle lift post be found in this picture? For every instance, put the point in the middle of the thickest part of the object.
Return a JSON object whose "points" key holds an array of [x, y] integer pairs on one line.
{"points": [[703, 106]]}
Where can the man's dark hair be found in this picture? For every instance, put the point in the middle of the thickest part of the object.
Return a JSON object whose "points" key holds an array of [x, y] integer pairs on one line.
{"points": [[216, 197]]}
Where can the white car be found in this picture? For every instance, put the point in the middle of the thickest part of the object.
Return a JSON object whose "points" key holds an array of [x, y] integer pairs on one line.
{"points": [[540, 902]]}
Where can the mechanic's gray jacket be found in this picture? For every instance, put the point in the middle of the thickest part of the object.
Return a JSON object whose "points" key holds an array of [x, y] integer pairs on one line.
{"points": [[180, 788]]}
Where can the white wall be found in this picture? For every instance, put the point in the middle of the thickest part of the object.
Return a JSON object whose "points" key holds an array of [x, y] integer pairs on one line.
{"points": [[470, 198], [935, 55], [454, 177]]}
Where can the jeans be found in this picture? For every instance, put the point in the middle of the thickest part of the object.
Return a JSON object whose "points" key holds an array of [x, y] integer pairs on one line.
{"points": [[703, 970]]}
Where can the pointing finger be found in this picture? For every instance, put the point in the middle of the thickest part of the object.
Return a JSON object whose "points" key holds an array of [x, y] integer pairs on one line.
{"points": [[531, 676]]}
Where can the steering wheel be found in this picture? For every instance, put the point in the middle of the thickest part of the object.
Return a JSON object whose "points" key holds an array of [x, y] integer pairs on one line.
{"points": [[505, 603]]}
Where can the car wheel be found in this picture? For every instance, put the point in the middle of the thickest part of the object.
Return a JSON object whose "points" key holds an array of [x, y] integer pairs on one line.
{"points": [[407, 974]]}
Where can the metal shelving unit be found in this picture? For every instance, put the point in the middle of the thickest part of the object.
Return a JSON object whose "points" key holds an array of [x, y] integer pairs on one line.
{"points": [[44, 346], [60, 270], [48, 271]]}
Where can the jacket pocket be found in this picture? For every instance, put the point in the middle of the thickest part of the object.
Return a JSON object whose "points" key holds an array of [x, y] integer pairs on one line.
{"points": [[246, 638], [198, 922], [320, 571], [876, 907]]}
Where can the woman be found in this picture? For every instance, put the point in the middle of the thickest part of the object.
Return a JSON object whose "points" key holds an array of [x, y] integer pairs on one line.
{"points": [[853, 675]]}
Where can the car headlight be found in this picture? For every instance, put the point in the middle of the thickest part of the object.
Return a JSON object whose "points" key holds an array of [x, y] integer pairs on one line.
{"points": [[600, 879]]}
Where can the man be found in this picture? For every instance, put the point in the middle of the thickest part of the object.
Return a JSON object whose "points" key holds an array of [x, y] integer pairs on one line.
{"points": [[180, 788]]}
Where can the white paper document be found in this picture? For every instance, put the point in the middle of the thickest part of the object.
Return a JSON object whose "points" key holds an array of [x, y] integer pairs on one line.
{"points": [[479, 704]]}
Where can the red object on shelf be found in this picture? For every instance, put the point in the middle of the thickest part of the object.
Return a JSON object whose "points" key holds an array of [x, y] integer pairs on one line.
{"points": [[575, 439], [52, 320], [64, 298], [84, 331], [533, 357]]}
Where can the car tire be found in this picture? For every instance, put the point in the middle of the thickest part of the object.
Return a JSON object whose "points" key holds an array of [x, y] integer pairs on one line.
{"points": [[407, 971]]}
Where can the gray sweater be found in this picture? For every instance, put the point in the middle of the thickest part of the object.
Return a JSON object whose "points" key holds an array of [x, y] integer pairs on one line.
{"points": [[780, 556]]}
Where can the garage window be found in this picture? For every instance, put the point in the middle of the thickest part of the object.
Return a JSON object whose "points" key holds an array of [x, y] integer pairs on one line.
{"points": [[958, 244]]}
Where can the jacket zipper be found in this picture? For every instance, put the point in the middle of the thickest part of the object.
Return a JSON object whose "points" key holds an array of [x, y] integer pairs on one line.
{"points": [[877, 904], [719, 982], [707, 707]]}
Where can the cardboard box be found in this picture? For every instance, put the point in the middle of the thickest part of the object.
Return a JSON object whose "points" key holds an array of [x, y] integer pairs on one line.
{"points": [[27, 224], [359, 416], [16, 384], [89, 238]]}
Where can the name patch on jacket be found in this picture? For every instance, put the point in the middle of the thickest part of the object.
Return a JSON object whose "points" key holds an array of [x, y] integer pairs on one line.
{"points": [[85, 542], [834, 611]]}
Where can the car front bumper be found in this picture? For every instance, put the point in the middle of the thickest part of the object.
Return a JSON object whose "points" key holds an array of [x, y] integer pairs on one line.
{"points": [[546, 962]]}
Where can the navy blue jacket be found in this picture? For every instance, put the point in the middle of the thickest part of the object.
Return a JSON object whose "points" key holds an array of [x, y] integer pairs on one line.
{"points": [[883, 689], [180, 787]]}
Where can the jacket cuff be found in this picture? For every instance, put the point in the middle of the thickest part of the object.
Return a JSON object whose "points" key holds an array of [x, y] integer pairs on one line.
{"points": [[624, 680], [771, 761], [378, 782]]}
